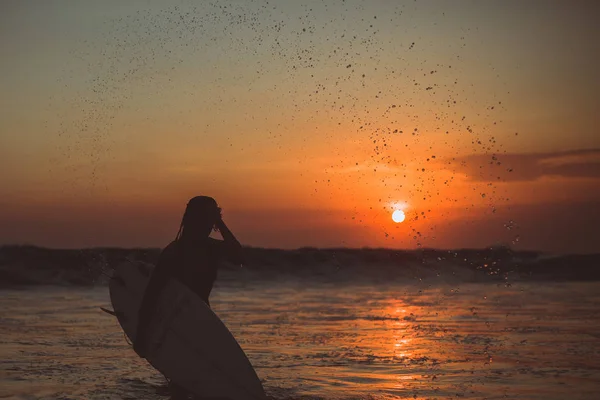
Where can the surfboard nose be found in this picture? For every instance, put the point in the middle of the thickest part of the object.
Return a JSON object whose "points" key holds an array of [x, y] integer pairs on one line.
{"points": [[119, 280]]}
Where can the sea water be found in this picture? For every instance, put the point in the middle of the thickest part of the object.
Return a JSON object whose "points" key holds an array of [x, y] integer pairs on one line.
{"points": [[326, 340]]}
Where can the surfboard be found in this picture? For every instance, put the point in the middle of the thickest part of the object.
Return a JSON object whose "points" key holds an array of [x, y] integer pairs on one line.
{"points": [[188, 342]]}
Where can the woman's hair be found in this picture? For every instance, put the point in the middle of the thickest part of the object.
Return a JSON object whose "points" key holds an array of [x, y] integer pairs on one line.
{"points": [[198, 204]]}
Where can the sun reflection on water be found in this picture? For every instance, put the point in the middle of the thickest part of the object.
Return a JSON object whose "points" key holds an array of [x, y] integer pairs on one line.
{"points": [[333, 343]]}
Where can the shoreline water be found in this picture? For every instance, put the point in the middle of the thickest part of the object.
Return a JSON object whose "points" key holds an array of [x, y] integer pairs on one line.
{"points": [[327, 341]]}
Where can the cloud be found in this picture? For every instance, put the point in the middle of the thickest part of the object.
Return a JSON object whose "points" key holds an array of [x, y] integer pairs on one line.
{"points": [[571, 227], [528, 167]]}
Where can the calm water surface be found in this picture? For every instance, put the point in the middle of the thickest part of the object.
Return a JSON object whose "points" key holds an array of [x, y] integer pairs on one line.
{"points": [[322, 341]]}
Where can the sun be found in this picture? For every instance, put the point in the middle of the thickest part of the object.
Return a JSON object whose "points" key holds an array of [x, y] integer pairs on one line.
{"points": [[398, 216]]}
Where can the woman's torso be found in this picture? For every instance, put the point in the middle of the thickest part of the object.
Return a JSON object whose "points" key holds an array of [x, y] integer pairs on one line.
{"points": [[193, 264]]}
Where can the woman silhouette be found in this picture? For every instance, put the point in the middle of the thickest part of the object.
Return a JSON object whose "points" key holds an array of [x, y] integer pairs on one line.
{"points": [[192, 258]]}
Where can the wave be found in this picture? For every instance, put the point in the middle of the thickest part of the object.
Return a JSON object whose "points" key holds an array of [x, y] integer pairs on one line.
{"points": [[22, 265]]}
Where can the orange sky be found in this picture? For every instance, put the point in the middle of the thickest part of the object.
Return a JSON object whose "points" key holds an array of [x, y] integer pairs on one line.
{"points": [[309, 123]]}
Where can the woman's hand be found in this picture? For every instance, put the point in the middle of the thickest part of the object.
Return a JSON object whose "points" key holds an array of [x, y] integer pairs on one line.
{"points": [[232, 246], [220, 225]]}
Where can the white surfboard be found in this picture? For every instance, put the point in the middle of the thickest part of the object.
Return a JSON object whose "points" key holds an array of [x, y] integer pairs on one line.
{"points": [[189, 344]]}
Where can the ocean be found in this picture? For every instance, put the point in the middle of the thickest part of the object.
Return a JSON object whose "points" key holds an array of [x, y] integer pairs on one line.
{"points": [[339, 335]]}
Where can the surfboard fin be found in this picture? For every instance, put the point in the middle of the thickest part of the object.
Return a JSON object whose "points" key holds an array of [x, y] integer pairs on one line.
{"points": [[113, 313]]}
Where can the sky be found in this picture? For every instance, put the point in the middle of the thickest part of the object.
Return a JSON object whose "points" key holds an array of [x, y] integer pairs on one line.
{"points": [[310, 122]]}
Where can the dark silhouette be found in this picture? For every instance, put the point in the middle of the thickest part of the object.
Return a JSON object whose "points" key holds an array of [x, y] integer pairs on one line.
{"points": [[193, 258]]}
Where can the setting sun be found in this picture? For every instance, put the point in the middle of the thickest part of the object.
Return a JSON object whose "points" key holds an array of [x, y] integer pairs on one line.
{"points": [[398, 216]]}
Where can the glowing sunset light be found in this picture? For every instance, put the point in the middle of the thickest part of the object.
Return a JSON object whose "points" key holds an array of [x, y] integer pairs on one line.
{"points": [[398, 216], [302, 141]]}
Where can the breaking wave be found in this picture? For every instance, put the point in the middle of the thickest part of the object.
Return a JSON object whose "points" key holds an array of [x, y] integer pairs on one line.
{"points": [[22, 265]]}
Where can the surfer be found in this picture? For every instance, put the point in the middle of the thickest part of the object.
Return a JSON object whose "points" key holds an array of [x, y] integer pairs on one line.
{"points": [[192, 258]]}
